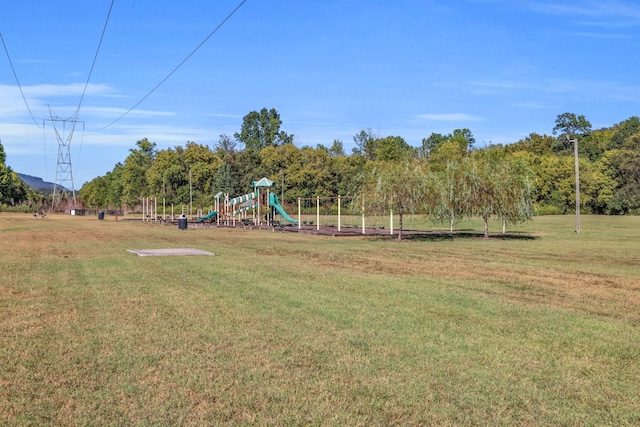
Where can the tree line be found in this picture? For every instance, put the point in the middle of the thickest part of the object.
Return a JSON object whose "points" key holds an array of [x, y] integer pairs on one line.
{"points": [[13, 191], [447, 165]]}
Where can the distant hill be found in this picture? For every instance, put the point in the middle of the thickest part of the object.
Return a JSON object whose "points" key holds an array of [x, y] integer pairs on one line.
{"points": [[37, 184]]}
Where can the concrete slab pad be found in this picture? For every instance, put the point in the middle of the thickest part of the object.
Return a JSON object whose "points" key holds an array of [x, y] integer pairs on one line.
{"points": [[170, 252]]}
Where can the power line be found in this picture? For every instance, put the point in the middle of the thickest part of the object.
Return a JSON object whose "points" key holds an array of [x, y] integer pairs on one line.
{"points": [[177, 67], [18, 81], [95, 57], [84, 91], [75, 115]]}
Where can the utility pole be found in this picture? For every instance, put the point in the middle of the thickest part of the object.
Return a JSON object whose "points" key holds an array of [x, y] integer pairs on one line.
{"points": [[577, 169], [282, 186], [190, 194], [572, 126]]}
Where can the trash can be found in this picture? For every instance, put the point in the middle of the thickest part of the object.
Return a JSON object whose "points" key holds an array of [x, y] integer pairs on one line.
{"points": [[100, 215], [182, 223]]}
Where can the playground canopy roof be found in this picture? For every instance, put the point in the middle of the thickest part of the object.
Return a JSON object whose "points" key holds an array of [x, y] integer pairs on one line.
{"points": [[264, 182]]}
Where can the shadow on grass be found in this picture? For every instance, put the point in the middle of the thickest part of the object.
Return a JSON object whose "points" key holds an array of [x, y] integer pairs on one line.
{"points": [[458, 235]]}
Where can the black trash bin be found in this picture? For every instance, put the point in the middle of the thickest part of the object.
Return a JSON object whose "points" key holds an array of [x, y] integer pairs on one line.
{"points": [[100, 215], [182, 223]]}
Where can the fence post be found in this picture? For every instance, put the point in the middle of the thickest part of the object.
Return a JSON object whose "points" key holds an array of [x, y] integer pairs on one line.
{"points": [[363, 229], [338, 212]]}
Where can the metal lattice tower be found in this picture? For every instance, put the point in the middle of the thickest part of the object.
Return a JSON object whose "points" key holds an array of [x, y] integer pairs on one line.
{"points": [[64, 129]]}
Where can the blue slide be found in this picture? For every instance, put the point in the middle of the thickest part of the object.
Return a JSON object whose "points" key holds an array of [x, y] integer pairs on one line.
{"points": [[273, 202], [209, 216]]}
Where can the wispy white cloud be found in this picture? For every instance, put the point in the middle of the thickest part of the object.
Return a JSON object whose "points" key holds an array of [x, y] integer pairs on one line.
{"points": [[547, 93], [72, 89], [595, 8], [33, 61], [163, 135], [14, 136], [536, 105], [600, 35], [450, 117], [222, 115], [39, 97], [603, 13], [114, 112], [493, 87]]}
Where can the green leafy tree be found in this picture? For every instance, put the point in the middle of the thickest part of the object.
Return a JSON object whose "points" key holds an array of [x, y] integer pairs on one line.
{"points": [[594, 145], [167, 174], [249, 168], [464, 138], [203, 164], [140, 159], [446, 152], [534, 143], [337, 148], [554, 184], [94, 192], [12, 189], [104, 191], [599, 185], [431, 144], [623, 132], [570, 126], [225, 180], [226, 149], [262, 129], [392, 148], [114, 187], [365, 141], [625, 166], [310, 174]]}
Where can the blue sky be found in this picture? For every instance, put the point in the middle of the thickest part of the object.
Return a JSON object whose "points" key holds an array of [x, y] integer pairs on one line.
{"points": [[501, 68]]}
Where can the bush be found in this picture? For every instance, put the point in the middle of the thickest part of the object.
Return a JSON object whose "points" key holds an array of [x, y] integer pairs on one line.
{"points": [[549, 210]]}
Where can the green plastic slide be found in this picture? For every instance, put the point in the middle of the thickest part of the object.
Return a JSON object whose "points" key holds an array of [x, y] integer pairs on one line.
{"points": [[273, 201], [209, 216]]}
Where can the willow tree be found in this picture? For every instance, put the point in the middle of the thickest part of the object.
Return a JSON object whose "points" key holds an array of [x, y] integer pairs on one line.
{"points": [[397, 187], [449, 199], [499, 186], [514, 181]]}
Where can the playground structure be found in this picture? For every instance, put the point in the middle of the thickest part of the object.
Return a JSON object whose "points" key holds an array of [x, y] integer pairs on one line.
{"points": [[262, 207], [258, 207]]}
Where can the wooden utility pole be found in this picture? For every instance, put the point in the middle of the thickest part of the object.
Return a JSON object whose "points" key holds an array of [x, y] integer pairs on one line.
{"points": [[572, 126], [577, 169]]}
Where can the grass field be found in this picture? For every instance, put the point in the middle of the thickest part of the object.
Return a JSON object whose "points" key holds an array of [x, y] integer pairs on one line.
{"points": [[540, 327]]}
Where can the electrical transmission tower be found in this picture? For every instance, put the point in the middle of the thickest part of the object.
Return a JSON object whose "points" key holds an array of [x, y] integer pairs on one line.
{"points": [[63, 129]]}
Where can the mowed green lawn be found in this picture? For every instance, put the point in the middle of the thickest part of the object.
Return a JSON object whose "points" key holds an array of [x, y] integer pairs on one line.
{"points": [[540, 327]]}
